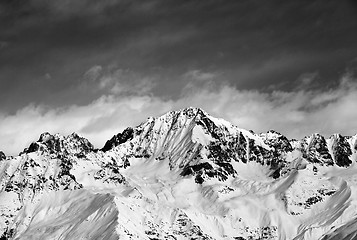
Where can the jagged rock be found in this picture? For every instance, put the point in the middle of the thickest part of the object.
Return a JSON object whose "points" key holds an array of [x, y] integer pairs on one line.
{"points": [[341, 151], [54, 144], [2, 155], [120, 138], [317, 151]]}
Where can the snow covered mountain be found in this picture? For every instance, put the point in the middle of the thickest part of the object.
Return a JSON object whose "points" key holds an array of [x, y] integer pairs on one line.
{"points": [[184, 175]]}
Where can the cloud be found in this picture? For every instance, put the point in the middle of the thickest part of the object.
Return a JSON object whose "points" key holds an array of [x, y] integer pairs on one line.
{"points": [[198, 75], [68, 8], [140, 87], [293, 113], [97, 121], [117, 81], [125, 81], [3, 44], [306, 79], [198, 79], [93, 73], [249, 42]]}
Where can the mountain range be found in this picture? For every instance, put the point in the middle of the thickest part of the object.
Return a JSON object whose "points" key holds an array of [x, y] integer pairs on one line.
{"points": [[183, 175]]}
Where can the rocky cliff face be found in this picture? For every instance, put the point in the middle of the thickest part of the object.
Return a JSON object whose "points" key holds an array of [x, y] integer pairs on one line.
{"points": [[184, 175]]}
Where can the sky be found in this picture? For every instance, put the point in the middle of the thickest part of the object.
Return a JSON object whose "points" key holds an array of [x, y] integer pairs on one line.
{"points": [[97, 67]]}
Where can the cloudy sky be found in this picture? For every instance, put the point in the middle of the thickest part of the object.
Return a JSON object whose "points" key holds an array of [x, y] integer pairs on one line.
{"points": [[96, 67]]}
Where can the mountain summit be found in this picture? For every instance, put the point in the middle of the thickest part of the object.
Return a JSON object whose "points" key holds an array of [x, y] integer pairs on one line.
{"points": [[183, 175]]}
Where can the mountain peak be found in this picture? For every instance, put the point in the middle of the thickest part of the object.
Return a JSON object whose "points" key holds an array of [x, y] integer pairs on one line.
{"points": [[189, 113], [46, 136], [187, 175], [192, 111], [57, 143], [170, 121]]}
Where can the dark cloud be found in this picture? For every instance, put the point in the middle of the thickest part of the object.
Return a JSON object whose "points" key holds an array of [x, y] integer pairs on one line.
{"points": [[251, 44], [293, 113]]}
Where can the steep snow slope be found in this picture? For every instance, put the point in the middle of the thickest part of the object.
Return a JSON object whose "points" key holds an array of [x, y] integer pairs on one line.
{"points": [[184, 175]]}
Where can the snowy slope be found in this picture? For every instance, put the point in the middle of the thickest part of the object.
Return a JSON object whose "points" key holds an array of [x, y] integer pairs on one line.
{"points": [[184, 175]]}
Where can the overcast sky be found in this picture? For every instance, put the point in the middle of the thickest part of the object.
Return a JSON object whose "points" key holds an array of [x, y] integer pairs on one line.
{"points": [[96, 67]]}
